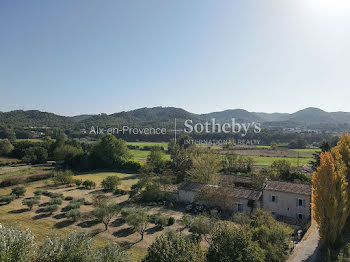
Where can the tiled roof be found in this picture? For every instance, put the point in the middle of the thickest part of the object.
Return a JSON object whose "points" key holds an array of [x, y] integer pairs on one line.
{"points": [[235, 192], [303, 189]]}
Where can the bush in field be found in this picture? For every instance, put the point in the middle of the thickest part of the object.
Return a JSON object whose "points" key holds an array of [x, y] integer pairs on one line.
{"points": [[88, 184], [63, 178], [38, 192], [72, 247], [171, 221], [19, 190], [11, 181], [30, 202], [172, 247], [56, 195], [78, 182], [74, 214], [55, 201], [110, 183], [111, 253], [68, 198], [50, 209], [7, 199], [119, 191], [15, 245], [186, 221], [159, 220]]}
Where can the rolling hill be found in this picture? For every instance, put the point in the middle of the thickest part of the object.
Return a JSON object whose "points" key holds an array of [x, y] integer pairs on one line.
{"points": [[164, 117]]}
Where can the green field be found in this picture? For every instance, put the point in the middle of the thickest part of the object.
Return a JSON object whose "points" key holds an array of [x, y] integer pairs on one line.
{"points": [[142, 144], [142, 154], [261, 160]]}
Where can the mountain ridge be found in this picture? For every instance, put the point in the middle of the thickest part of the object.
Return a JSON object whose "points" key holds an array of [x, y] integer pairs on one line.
{"points": [[310, 117]]}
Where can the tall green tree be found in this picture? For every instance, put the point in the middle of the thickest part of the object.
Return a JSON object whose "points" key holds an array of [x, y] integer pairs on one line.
{"points": [[110, 152]]}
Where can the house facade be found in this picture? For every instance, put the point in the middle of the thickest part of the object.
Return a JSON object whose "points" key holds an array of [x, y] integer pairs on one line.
{"points": [[282, 199], [287, 199]]}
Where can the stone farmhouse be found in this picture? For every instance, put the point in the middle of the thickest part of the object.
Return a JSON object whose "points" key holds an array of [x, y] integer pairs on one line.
{"points": [[286, 201]]}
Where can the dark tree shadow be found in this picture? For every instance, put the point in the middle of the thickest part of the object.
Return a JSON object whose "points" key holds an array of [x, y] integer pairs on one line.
{"points": [[40, 210], [118, 222], [19, 211], [96, 232], [44, 215], [59, 216], [89, 223], [153, 230], [124, 232], [64, 223]]}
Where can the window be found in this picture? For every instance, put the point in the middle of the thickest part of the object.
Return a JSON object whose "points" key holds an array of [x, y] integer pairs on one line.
{"points": [[300, 202], [300, 216], [240, 207], [274, 198]]}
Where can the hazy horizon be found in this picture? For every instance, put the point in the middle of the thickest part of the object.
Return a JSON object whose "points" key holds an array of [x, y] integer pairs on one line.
{"points": [[88, 57]]}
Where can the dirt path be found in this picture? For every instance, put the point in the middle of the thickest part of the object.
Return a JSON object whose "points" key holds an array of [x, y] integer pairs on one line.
{"points": [[307, 249]]}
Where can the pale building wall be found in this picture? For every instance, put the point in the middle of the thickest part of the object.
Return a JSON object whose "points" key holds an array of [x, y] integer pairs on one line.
{"points": [[287, 204]]}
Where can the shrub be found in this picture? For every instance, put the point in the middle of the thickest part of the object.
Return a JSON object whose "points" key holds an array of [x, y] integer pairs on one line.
{"points": [[112, 253], [30, 202], [186, 221], [161, 221], [51, 208], [38, 177], [7, 199], [38, 192], [12, 181], [119, 191], [68, 198], [63, 178], [15, 245], [46, 193], [19, 190], [56, 195], [74, 214], [175, 247], [110, 183], [78, 200], [55, 201], [78, 182], [171, 221], [131, 165], [88, 184], [72, 247]]}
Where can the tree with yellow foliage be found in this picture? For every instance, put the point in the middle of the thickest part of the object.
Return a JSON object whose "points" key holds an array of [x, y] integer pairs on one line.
{"points": [[330, 196], [342, 150]]}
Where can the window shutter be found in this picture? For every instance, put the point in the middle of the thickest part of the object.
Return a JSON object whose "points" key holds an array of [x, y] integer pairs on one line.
{"points": [[297, 202], [303, 202], [276, 199], [270, 197]]}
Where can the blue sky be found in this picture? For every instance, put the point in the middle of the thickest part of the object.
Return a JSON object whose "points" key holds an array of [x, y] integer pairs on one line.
{"points": [[86, 56]]}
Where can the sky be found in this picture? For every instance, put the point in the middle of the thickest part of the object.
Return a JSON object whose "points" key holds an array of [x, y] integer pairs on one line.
{"points": [[75, 57]]}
